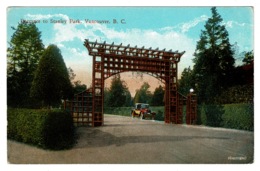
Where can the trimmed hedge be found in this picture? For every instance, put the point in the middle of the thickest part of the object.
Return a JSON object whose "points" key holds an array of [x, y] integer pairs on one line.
{"points": [[235, 116], [239, 116], [123, 111], [49, 129]]}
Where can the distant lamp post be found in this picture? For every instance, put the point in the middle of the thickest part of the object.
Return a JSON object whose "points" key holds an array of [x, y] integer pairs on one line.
{"points": [[191, 108]]}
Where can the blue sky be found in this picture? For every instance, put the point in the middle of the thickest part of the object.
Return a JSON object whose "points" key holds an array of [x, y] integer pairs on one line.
{"points": [[176, 28]]}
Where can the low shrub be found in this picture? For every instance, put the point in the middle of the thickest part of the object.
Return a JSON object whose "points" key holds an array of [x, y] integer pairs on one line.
{"points": [[159, 115], [239, 116], [123, 111], [236, 116], [50, 129], [213, 115]]}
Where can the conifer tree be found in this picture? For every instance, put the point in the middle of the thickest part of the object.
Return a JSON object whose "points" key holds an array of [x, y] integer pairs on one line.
{"points": [[23, 55], [158, 97], [143, 95], [118, 94], [213, 60], [186, 82], [51, 83]]}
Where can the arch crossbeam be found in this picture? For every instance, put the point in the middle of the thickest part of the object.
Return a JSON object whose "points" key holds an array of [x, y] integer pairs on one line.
{"points": [[110, 59], [96, 48]]}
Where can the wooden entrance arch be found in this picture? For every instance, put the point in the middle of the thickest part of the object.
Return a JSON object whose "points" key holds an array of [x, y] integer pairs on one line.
{"points": [[111, 59]]}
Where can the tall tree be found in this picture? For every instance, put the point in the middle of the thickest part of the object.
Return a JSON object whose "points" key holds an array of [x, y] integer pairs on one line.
{"points": [[143, 95], [106, 97], [23, 55], [213, 60], [118, 93], [158, 97], [186, 82], [51, 82]]}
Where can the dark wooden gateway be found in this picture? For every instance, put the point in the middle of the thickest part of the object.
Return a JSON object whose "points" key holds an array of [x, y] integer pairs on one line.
{"points": [[111, 59]]}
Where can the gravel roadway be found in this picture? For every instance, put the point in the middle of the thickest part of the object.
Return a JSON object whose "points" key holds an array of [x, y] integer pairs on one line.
{"points": [[123, 140]]}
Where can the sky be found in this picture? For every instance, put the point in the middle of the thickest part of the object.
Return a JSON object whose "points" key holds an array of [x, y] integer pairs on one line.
{"points": [[185, 22], [176, 28]]}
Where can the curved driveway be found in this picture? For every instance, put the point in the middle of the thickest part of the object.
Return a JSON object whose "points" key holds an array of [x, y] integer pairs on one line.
{"points": [[125, 140]]}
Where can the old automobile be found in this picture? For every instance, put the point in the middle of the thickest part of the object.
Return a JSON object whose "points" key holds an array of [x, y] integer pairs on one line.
{"points": [[142, 111]]}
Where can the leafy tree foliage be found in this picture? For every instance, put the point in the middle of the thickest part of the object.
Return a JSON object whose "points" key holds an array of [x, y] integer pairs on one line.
{"points": [[244, 74], [213, 60], [118, 94], [248, 58], [106, 97], [23, 55], [51, 82], [72, 75], [158, 97], [143, 95], [186, 82], [77, 85]]}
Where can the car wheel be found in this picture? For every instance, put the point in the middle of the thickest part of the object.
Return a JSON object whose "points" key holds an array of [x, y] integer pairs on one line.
{"points": [[133, 114], [141, 116]]}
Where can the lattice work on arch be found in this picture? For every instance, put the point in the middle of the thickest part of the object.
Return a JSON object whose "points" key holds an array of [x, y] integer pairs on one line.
{"points": [[111, 59], [96, 48]]}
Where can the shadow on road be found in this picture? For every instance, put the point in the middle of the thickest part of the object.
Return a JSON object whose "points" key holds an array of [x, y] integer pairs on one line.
{"points": [[90, 138]]}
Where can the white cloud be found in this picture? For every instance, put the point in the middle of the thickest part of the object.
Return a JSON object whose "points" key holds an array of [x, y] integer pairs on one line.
{"points": [[186, 26], [60, 45], [170, 37], [64, 33], [161, 38], [231, 24], [78, 59], [241, 33]]}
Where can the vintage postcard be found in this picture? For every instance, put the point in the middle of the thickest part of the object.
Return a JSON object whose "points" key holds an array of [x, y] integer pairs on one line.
{"points": [[130, 85]]}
